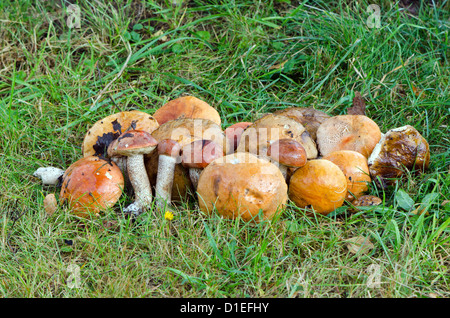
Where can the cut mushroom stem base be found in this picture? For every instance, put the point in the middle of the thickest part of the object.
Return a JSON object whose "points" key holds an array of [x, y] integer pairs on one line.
{"points": [[164, 181], [141, 185]]}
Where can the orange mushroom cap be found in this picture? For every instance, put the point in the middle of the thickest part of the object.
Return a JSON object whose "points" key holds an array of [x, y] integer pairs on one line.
{"points": [[186, 107], [319, 184], [91, 185]]}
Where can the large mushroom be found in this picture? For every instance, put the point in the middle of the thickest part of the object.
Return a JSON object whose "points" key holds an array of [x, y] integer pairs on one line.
{"points": [[320, 185], [134, 144], [269, 128], [241, 185], [186, 107], [197, 155], [91, 185], [399, 150], [348, 132], [310, 118], [105, 130], [356, 171], [184, 131]]}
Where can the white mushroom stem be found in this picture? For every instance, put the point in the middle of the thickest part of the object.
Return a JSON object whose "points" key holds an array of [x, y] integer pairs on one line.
{"points": [[49, 175], [164, 180], [141, 184]]}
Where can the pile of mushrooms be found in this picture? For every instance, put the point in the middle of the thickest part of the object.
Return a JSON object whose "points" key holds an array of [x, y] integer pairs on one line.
{"points": [[248, 170]]}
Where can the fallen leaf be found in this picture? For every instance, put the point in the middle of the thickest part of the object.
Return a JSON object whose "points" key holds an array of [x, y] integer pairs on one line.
{"points": [[359, 105], [50, 204], [359, 244], [278, 66]]}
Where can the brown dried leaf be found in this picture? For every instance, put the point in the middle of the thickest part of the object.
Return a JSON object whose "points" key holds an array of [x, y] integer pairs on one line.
{"points": [[359, 105], [359, 244], [278, 66]]}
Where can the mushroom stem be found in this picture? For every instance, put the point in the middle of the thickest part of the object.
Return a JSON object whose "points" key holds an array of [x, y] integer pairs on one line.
{"points": [[164, 180], [141, 184], [194, 175], [169, 152], [134, 144]]}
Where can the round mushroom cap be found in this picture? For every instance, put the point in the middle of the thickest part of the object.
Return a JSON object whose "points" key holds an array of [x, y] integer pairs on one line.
{"points": [[287, 152], [309, 117], [91, 185], [348, 132], [234, 133], [186, 107], [356, 171], [169, 148], [135, 142], [269, 128], [399, 149], [241, 185], [320, 184], [104, 131], [200, 153]]}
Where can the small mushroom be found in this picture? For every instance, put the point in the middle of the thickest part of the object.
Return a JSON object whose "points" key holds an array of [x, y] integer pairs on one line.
{"points": [[49, 175], [90, 185], [184, 131], [134, 144], [356, 171], [288, 153], [241, 185], [169, 153], [309, 117], [50, 204], [269, 128], [197, 155], [186, 107], [400, 149], [320, 184], [234, 133], [348, 132]]}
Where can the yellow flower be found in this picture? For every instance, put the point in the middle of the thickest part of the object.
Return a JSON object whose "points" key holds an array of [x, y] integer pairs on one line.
{"points": [[168, 215]]}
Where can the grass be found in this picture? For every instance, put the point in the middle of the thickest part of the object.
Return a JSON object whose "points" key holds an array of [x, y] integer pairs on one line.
{"points": [[228, 53]]}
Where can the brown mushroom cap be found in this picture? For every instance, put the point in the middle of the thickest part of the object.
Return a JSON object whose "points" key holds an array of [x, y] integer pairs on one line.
{"points": [[91, 185], [269, 128], [354, 166], [348, 132], [104, 131], [200, 153], [365, 200], [234, 133], [184, 131], [319, 184], [135, 142], [399, 149], [309, 117], [186, 107], [287, 152], [242, 185]]}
